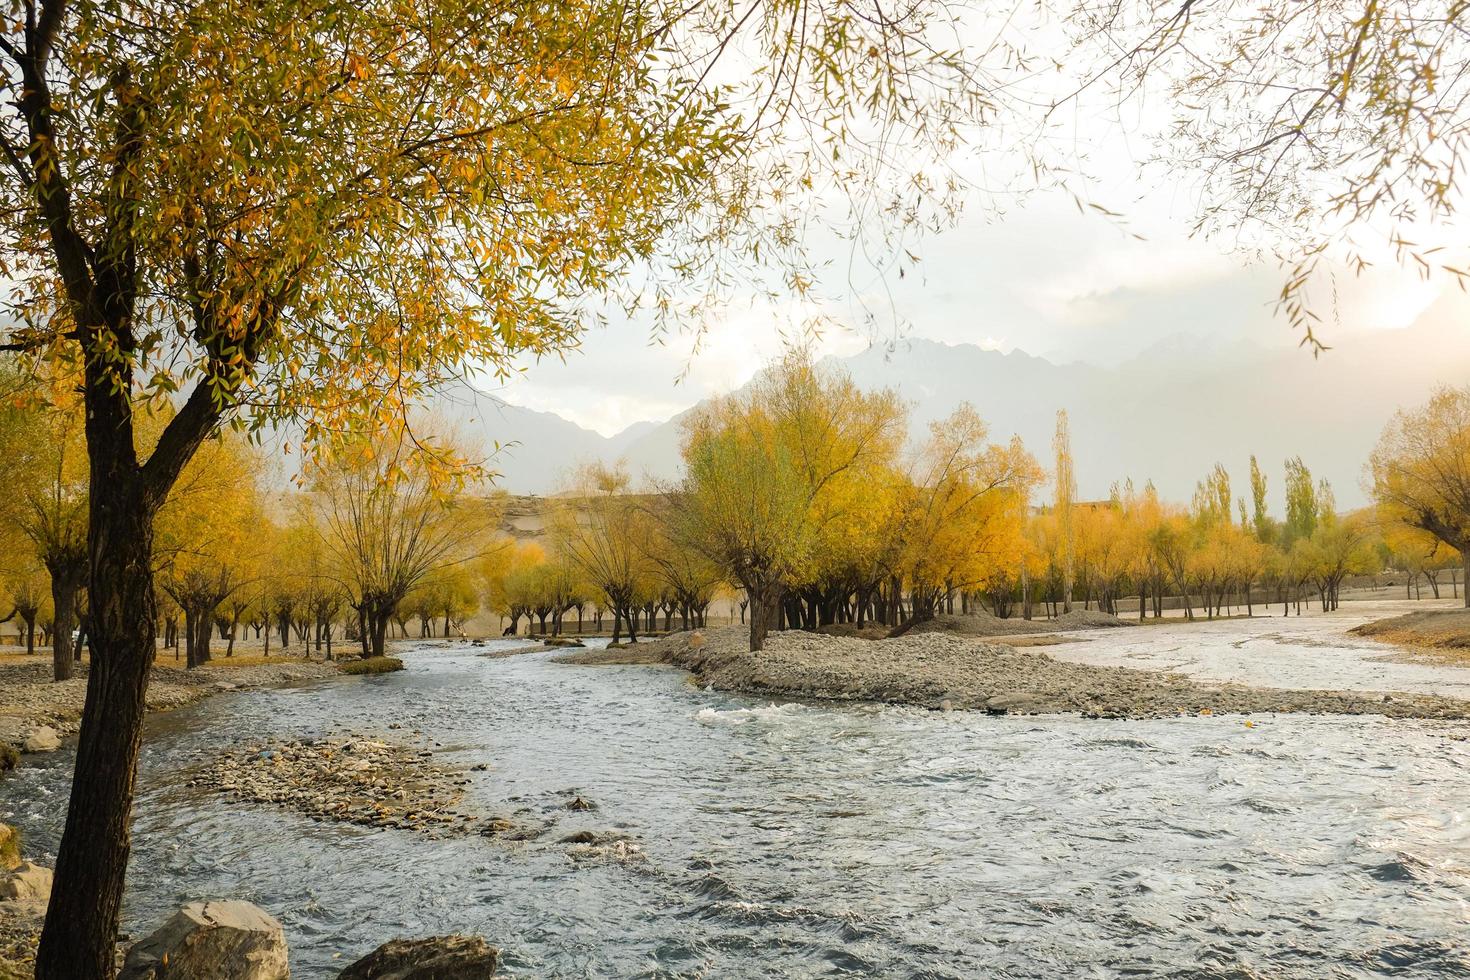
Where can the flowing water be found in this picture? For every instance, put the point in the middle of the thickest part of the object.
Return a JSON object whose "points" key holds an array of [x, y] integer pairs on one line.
{"points": [[797, 840]]}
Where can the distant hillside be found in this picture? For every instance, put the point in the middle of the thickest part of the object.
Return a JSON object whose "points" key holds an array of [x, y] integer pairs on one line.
{"points": [[1167, 415]]}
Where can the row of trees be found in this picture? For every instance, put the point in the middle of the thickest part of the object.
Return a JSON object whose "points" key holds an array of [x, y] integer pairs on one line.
{"points": [[803, 498], [803, 502]]}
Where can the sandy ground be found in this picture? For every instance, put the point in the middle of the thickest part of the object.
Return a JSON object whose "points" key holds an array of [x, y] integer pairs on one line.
{"points": [[1312, 651]]}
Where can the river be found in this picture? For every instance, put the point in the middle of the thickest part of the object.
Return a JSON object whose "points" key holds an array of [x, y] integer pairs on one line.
{"points": [[799, 840]]}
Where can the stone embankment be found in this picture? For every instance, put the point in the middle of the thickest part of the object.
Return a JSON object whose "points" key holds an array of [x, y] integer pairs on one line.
{"points": [[943, 671]]}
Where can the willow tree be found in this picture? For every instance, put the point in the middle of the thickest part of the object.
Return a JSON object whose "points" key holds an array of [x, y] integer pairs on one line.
{"points": [[772, 468], [41, 439], [965, 509], [388, 524], [269, 211], [1421, 471], [606, 534]]}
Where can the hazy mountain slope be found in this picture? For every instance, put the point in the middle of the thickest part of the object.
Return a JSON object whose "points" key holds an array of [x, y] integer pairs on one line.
{"points": [[1166, 415]]}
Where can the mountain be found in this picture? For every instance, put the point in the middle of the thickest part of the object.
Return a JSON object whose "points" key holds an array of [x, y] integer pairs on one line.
{"points": [[1168, 414]]}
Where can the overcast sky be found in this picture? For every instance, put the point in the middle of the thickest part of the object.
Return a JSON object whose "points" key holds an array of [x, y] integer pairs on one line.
{"points": [[1045, 279]]}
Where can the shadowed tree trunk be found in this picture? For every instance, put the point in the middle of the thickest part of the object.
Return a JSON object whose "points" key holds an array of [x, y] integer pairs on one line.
{"points": [[68, 574]]}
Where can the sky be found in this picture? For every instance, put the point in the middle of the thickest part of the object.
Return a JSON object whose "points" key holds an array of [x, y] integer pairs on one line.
{"points": [[1043, 278]]}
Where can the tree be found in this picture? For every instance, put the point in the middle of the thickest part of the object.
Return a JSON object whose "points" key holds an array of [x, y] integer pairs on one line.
{"points": [[1302, 510], [605, 534], [42, 440], [1260, 514], [1338, 548], [1066, 494], [964, 511], [313, 214], [208, 536], [1307, 123], [512, 577], [27, 586], [1421, 471], [388, 525], [770, 468]]}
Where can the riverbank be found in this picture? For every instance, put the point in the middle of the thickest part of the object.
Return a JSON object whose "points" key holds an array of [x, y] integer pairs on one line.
{"points": [[1442, 635], [942, 671], [36, 713]]}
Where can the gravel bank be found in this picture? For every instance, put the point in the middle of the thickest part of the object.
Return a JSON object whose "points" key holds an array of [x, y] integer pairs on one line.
{"points": [[353, 779], [943, 671], [30, 700]]}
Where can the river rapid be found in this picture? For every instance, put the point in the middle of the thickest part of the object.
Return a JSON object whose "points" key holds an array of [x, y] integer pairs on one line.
{"points": [[820, 840]]}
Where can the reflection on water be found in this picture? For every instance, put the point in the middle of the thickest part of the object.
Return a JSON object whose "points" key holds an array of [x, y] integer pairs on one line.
{"points": [[829, 841]]}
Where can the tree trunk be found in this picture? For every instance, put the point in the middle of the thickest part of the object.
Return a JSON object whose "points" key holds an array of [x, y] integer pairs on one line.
{"points": [[1465, 558], [380, 633], [759, 610], [64, 605], [81, 921]]}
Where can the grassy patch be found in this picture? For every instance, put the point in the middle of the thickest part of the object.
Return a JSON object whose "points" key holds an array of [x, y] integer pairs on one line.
{"points": [[372, 665], [9, 847], [1443, 632]]}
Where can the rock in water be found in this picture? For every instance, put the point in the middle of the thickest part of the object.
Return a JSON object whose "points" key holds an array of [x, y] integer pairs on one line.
{"points": [[435, 958], [28, 883], [212, 941], [43, 739]]}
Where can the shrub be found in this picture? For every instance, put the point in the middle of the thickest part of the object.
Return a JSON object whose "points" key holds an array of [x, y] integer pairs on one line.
{"points": [[372, 665]]}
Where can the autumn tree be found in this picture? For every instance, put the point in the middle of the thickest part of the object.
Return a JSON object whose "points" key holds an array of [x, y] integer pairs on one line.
{"points": [[1261, 522], [311, 214], [27, 586], [510, 577], [768, 469], [41, 438], [1302, 507], [606, 535], [1066, 486], [208, 542], [965, 511], [1420, 471], [388, 524]]}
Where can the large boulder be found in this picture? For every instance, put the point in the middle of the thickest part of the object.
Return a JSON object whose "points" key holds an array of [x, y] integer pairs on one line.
{"points": [[43, 739], [434, 958], [212, 941], [28, 884]]}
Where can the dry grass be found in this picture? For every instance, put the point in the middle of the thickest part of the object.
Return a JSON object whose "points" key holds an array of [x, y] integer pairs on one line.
{"points": [[1439, 635]]}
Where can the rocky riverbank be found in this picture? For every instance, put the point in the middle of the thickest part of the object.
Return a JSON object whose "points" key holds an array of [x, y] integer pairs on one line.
{"points": [[943, 672], [36, 713]]}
